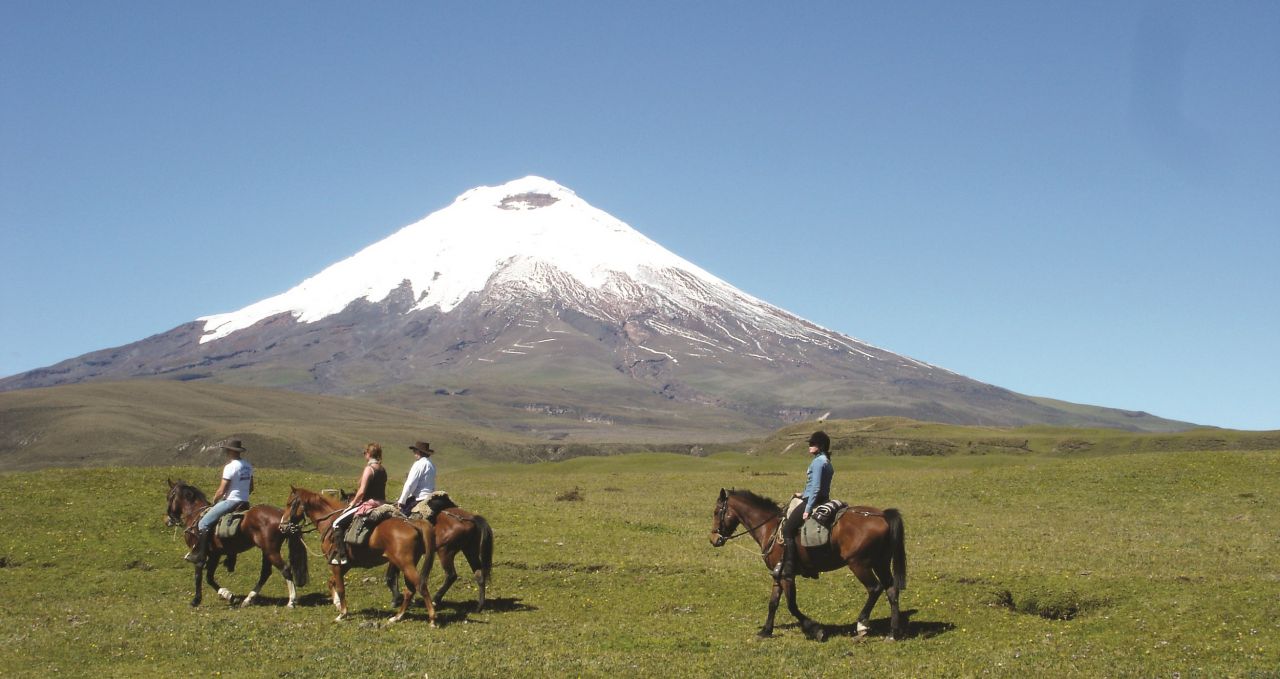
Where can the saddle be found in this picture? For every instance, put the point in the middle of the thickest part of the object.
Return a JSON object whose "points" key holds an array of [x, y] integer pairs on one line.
{"points": [[229, 524], [816, 532], [428, 508], [362, 525]]}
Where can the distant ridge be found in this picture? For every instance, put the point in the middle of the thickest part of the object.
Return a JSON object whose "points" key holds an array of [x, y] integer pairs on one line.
{"points": [[522, 307]]}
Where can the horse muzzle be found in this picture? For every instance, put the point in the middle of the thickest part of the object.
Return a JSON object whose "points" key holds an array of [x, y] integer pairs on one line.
{"points": [[717, 540], [171, 522]]}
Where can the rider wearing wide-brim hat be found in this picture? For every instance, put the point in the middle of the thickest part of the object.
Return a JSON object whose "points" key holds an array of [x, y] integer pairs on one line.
{"points": [[233, 493], [421, 481], [817, 490]]}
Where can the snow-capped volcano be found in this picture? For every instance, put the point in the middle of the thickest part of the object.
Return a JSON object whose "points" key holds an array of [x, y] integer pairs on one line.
{"points": [[523, 307], [514, 231]]}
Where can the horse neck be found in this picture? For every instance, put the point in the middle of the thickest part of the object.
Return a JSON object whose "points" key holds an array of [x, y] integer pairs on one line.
{"points": [[760, 521], [319, 509], [192, 508]]}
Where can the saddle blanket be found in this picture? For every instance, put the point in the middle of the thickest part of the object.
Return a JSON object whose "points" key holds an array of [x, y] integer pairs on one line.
{"points": [[362, 526], [229, 525], [816, 532]]}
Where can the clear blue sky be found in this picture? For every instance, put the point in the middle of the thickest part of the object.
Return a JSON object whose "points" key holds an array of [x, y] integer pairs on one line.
{"points": [[1078, 200]]}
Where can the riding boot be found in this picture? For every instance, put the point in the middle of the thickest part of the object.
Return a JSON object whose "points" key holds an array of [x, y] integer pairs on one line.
{"points": [[788, 560], [198, 553], [338, 550]]}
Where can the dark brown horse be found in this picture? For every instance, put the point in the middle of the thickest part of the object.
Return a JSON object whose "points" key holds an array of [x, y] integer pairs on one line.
{"points": [[395, 541], [258, 529], [457, 530], [869, 541]]}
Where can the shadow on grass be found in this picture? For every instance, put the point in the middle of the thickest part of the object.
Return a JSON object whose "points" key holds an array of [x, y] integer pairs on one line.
{"points": [[304, 601], [447, 613], [880, 628]]}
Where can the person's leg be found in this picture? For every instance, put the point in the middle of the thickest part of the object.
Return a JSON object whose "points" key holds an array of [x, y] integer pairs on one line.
{"points": [[204, 527]]}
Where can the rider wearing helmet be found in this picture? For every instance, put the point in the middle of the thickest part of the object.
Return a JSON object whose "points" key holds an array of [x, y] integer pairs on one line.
{"points": [[816, 491]]}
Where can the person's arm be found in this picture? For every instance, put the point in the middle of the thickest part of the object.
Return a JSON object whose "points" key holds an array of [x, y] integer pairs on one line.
{"points": [[364, 485], [813, 487], [415, 473], [222, 490]]}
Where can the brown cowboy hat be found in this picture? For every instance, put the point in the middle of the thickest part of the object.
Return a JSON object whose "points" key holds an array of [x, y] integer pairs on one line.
{"points": [[233, 444], [422, 447]]}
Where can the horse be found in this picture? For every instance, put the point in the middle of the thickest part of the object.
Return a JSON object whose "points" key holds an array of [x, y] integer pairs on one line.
{"points": [[869, 541], [457, 530], [398, 542], [258, 529]]}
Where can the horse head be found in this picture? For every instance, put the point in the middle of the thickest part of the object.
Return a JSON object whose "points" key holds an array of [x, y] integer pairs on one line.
{"points": [[180, 500], [726, 520]]}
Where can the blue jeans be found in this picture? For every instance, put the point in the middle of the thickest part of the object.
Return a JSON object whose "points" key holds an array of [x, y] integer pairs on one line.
{"points": [[216, 512]]}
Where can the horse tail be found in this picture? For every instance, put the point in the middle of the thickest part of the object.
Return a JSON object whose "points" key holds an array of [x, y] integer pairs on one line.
{"points": [[898, 545], [298, 560], [486, 546]]}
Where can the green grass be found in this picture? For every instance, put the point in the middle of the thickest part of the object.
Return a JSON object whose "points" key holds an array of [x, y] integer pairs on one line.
{"points": [[1163, 564]]}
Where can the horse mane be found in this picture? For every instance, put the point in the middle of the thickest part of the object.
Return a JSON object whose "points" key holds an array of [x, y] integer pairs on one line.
{"points": [[310, 496], [190, 492], [757, 501]]}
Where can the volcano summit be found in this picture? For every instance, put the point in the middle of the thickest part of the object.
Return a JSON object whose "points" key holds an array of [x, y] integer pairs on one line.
{"points": [[523, 307]]}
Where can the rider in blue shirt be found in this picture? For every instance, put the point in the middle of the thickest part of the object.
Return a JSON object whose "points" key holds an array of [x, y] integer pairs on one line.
{"points": [[817, 490]]}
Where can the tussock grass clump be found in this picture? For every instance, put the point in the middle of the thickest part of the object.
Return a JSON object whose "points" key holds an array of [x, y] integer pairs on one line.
{"points": [[571, 495], [1046, 603]]}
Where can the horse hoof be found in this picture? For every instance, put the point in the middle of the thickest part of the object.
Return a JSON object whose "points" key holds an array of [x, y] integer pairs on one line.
{"points": [[340, 617], [862, 630], [764, 634], [195, 602], [819, 634], [291, 605]]}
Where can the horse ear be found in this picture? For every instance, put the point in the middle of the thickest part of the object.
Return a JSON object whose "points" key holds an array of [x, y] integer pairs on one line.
{"points": [[170, 482], [723, 494]]}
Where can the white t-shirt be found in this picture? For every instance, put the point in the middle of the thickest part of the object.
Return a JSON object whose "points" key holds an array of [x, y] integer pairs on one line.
{"points": [[421, 481], [239, 477]]}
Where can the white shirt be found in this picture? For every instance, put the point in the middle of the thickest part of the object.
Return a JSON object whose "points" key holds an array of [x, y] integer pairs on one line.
{"points": [[421, 482], [239, 477]]}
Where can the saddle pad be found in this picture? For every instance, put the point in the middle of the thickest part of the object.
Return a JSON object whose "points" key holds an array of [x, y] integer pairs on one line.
{"points": [[813, 533], [229, 525]]}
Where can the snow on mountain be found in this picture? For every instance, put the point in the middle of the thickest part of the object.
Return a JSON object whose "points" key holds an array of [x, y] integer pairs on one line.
{"points": [[528, 234]]}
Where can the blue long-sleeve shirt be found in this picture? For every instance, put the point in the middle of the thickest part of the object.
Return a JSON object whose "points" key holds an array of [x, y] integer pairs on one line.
{"points": [[819, 483]]}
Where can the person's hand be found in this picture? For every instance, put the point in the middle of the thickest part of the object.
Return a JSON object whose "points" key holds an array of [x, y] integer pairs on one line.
{"points": [[806, 516]]}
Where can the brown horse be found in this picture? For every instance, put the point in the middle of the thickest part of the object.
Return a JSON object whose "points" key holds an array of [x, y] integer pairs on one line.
{"points": [[869, 541], [394, 541], [258, 529], [457, 530]]}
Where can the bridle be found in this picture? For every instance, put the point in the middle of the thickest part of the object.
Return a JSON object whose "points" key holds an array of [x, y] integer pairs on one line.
{"points": [[721, 513], [293, 515]]}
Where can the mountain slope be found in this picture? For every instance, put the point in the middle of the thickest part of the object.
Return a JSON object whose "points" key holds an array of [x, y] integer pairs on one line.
{"points": [[523, 307]]}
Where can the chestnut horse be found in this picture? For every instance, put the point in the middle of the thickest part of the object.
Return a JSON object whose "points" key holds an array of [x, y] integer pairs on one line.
{"points": [[457, 530], [869, 541], [258, 529], [395, 541]]}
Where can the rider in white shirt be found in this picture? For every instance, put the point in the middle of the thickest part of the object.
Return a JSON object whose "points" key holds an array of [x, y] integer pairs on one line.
{"points": [[421, 481], [233, 492]]}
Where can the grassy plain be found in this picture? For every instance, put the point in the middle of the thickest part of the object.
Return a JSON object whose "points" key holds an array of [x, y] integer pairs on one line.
{"points": [[1143, 564]]}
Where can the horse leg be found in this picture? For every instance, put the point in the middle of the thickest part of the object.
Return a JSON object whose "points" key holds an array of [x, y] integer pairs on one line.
{"points": [[887, 583], [411, 585], [263, 574], [450, 573], [195, 601], [212, 566], [874, 587], [811, 628], [393, 574], [338, 588], [767, 631]]}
